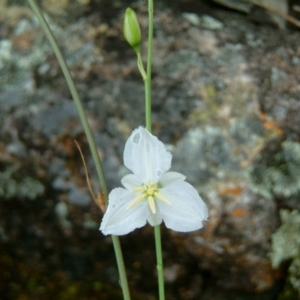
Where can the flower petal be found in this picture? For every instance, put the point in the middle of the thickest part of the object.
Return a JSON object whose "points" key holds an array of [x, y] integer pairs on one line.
{"points": [[187, 210], [146, 156], [120, 220], [131, 181], [153, 219], [170, 177]]}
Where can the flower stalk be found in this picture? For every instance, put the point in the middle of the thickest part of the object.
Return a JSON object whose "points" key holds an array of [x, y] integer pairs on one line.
{"points": [[149, 67], [157, 233], [89, 135]]}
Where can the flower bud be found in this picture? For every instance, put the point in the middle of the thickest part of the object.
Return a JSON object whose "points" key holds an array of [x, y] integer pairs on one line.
{"points": [[131, 28]]}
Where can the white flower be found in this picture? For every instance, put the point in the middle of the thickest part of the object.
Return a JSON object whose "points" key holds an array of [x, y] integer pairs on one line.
{"points": [[151, 193]]}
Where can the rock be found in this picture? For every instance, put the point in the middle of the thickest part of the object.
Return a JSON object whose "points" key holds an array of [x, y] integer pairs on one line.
{"points": [[233, 246], [274, 8], [224, 101], [209, 22], [204, 21]]}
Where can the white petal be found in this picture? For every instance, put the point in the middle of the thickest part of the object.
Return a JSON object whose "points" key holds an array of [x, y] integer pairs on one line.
{"points": [[170, 177], [146, 156], [131, 181], [187, 210], [119, 220], [153, 219]]}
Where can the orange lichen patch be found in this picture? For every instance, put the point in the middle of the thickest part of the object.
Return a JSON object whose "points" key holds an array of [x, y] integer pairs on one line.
{"points": [[263, 116], [270, 124], [23, 42], [233, 191], [265, 277], [239, 212]]}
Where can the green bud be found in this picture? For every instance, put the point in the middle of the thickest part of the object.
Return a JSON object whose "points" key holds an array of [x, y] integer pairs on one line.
{"points": [[131, 28]]}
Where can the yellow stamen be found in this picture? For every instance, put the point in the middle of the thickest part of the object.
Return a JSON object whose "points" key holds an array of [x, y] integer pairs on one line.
{"points": [[162, 197], [149, 192], [152, 204], [136, 200], [138, 189]]}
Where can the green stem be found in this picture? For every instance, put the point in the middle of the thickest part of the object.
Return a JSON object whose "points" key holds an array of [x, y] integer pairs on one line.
{"points": [[159, 263], [147, 81], [140, 66], [121, 267], [74, 94], [149, 65], [88, 133]]}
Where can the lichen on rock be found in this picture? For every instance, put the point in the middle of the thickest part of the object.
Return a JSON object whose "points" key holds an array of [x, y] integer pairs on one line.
{"points": [[26, 187], [286, 240], [286, 246], [278, 172]]}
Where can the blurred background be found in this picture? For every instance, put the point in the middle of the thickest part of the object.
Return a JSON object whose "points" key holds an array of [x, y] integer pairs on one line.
{"points": [[226, 86]]}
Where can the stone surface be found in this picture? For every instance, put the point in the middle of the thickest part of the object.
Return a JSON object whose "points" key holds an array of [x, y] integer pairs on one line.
{"points": [[226, 104]]}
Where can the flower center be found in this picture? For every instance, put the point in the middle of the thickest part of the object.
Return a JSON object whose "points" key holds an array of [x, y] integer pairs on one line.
{"points": [[150, 189], [149, 192]]}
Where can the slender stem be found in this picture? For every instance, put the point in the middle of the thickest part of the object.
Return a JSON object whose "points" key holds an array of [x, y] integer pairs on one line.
{"points": [[88, 133], [159, 263], [157, 235], [149, 65], [141, 67], [73, 92], [121, 267]]}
